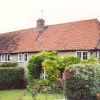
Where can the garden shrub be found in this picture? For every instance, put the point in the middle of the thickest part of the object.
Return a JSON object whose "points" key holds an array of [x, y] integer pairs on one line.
{"points": [[39, 82], [90, 60], [12, 78], [72, 60], [82, 81], [9, 64]]}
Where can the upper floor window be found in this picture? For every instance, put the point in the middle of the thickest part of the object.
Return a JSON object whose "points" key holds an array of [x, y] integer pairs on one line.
{"points": [[19, 57], [5, 58], [25, 56], [82, 55]]}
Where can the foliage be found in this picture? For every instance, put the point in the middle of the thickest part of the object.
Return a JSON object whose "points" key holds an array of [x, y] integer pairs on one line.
{"points": [[47, 60], [46, 90], [11, 78], [72, 60], [90, 60], [58, 87], [40, 83], [33, 91], [9, 64], [34, 64], [51, 67], [82, 81]]}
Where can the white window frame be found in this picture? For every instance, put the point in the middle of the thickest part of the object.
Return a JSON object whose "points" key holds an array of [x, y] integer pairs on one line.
{"points": [[98, 54], [24, 57], [82, 54], [42, 74], [5, 58], [9, 57], [19, 58]]}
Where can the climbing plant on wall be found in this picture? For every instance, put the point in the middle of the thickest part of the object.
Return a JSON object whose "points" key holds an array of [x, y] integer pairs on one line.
{"points": [[49, 61]]}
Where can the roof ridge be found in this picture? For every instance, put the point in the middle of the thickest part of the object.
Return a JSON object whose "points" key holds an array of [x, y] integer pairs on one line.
{"points": [[74, 22]]}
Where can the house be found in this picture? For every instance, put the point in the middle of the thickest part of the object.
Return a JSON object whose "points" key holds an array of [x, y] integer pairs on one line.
{"points": [[80, 38]]}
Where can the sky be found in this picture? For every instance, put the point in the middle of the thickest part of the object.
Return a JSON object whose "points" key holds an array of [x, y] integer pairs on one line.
{"points": [[23, 14]]}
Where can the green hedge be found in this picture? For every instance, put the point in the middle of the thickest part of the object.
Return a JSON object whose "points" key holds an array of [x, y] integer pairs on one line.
{"points": [[12, 78], [9, 64]]}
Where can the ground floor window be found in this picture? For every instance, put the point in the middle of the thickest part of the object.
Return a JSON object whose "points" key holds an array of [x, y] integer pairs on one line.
{"points": [[98, 54], [83, 55], [23, 57], [5, 58], [42, 74], [19, 57]]}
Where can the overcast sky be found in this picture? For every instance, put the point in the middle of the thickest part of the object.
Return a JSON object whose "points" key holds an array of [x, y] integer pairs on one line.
{"points": [[22, 14]]}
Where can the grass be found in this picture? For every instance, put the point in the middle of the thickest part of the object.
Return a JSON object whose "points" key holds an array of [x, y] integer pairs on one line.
{"points": [[18, 94]]}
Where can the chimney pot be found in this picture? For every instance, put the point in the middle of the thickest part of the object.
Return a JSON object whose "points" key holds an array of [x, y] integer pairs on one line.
{"points": [[40, 23]]}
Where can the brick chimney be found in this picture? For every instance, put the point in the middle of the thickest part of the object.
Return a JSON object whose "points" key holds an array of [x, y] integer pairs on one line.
{"points": [[40, 23]]}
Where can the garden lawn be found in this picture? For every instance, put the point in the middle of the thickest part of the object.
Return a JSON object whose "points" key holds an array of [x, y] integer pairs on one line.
{"points": [[19, 93]]}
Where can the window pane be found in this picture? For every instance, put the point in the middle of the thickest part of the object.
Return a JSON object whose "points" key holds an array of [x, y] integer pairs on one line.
{"points": [[25, 57], [79, 55], [84, 55], [19, 57], [8, 57], [42, 74], [3, 57], [99, 54]]}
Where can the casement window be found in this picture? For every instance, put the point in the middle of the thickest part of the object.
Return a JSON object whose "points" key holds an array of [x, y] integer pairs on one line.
{"points": [[42, 74], [97, 54], [22, 57], [5, 58], [83, 55], [25, 57], [19, 57], [8, 58]]}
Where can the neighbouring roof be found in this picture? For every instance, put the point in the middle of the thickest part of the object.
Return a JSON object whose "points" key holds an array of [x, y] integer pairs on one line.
{"points": [[80, 35]]}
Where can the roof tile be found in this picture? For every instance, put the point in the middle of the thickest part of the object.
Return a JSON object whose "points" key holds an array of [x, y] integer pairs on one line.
{"points": [[80, 35]]}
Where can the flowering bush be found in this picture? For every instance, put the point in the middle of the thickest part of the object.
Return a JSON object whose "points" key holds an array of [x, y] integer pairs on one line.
{"points": [[83, 82], [59, 88], [45, 90], [33, 91]]}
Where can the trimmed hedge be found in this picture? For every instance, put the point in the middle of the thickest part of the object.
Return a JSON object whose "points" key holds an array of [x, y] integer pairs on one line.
{"points": [[12, 78], [9, 64]]}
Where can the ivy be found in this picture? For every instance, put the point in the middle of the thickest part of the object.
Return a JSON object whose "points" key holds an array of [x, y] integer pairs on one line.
{"points": [[47, 60]]}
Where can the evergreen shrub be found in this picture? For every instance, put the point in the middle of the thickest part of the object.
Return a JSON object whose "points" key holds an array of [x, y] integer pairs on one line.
{"points": [[12, 78], [9, 64]]}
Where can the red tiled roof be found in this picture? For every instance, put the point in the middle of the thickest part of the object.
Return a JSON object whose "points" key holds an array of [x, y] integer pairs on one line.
{"points": [[17, 41], [80, 35]]}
